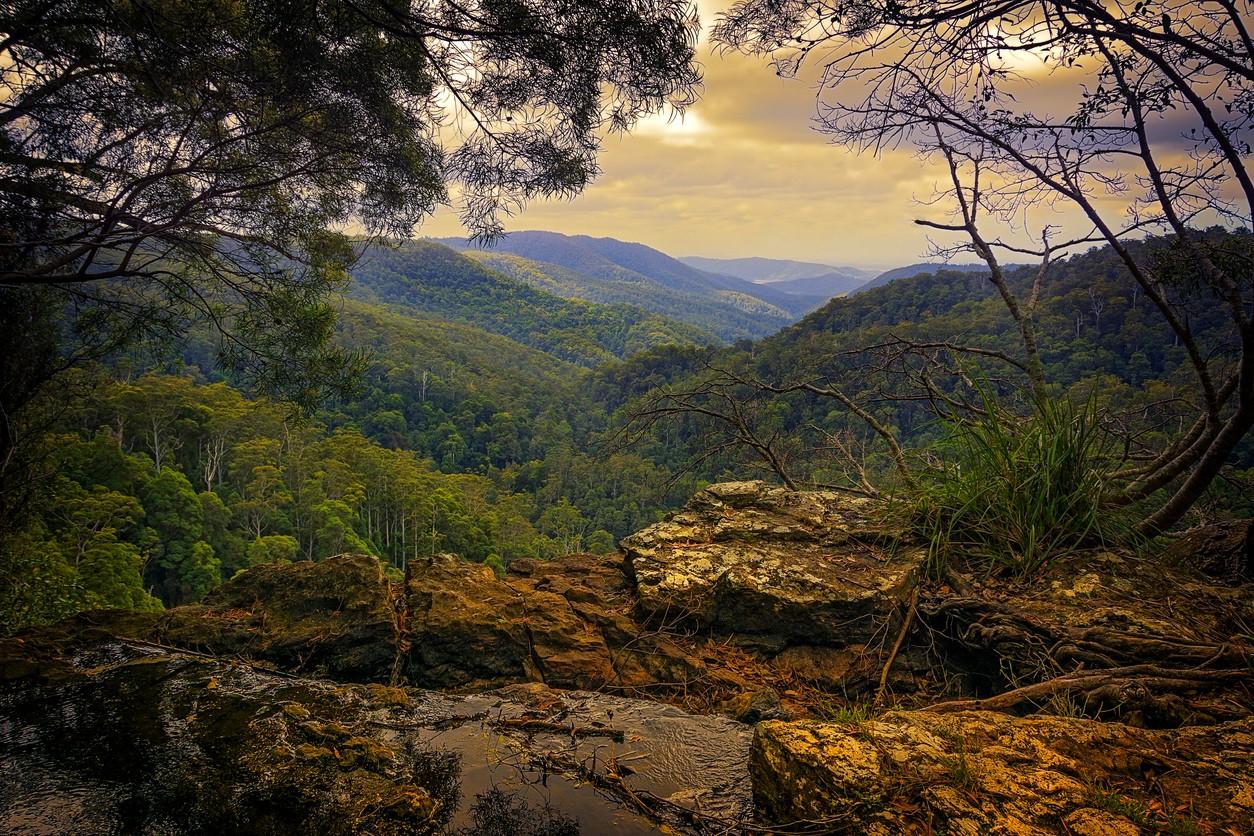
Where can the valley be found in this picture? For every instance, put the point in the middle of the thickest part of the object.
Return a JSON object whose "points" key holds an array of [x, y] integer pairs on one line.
{"points": [[533, 418]]}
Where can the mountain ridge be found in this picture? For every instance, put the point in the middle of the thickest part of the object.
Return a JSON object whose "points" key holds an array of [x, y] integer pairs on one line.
{"points": [[626, 263], [762, 270]]}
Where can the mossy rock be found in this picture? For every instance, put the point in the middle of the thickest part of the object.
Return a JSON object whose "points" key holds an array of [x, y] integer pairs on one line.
{"points": [[333, 618], [132, 743]]}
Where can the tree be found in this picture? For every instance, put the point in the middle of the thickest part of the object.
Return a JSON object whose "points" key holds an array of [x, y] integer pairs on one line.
{"points": [[275, 548], [164, 163], [180, 563], [950, 79], [563, 522], [333, 531]]}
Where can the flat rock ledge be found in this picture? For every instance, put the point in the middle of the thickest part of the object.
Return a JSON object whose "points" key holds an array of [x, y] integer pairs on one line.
{"points": [[981, 772], [786, 567]]}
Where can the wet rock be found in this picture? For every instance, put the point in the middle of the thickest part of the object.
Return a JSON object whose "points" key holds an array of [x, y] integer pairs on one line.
{"points": [[109, 736], [333, 618], [116, 738], [566, 623], [979, 772], [1224, 551], [782, 567]]}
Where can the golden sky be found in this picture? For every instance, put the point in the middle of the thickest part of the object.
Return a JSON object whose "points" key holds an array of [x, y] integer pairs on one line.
{"points": [[741, 175], [744, 174]]}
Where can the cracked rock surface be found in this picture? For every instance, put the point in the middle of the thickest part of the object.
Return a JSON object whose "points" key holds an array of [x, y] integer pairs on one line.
{"points": [[784, 567]]}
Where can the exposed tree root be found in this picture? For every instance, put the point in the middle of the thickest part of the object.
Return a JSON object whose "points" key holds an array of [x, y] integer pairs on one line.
{"points": [[1136, 683], [1100, 668]]}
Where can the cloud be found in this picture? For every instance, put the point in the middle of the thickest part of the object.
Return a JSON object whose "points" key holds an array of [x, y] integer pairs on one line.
{"points": [[743, 172]]}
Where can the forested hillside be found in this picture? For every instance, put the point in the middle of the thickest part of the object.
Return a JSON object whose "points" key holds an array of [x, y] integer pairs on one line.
{"points": [[436, 281], [1099, 337], [917, 270], [497, 445], [609, 270], [164, 487]]}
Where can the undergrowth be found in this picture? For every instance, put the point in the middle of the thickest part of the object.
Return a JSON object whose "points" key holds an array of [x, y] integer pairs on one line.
{"points": [[1011, 494]]}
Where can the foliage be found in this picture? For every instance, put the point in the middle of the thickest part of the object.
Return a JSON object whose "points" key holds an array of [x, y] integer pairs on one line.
{"points": [[438, 281], [240, 483], [1098, 334], [1014, 494], [172, 164], [937, 78]]}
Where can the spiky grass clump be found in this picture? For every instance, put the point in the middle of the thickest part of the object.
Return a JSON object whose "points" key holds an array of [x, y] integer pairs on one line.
{"points": [[1013, 494]]}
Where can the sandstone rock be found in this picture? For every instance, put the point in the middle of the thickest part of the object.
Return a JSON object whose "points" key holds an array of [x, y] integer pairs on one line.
{"points": [[100, 735], [981, 772], [332, 618], [466, 627], [756, 706], [784, 567], [113, 738], [1224, 550], [826, 667], [565, 623]]}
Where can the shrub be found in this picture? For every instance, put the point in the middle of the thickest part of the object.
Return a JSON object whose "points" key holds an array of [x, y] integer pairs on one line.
{"points": [[1012, 494]]}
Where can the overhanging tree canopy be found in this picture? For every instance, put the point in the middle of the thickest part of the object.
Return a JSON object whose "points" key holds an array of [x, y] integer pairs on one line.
{"points": [[184, 159]]}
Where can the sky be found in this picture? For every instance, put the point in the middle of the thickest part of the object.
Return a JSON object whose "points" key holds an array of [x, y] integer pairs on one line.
{"points": [[743, 174]]}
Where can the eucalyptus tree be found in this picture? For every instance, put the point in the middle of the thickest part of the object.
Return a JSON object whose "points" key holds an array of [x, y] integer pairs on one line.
{"points": [[167, 164]]}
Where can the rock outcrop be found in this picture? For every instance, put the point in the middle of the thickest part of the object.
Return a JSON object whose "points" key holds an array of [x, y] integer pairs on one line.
{"points": [[566, 623], [774, 567], [982, 772], [333, 618], [754, 602], [118, 738], [101, 735]]}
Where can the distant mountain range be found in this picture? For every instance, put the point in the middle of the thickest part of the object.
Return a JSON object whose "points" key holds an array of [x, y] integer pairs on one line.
{"points": [[586, 300], [434, 280], [608, 270], [800, 278], [918, 269]]}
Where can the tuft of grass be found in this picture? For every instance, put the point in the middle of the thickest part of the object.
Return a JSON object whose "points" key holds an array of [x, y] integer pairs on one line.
{"points": [[1014, 494], [1140, 814], [854, 714], [960, 769], [1182, 826], [1119, 805], [1064, 705]]}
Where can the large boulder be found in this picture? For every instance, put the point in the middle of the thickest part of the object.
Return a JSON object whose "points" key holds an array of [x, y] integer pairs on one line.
{"points": [[777, 566], [333, 618], [565, 623], [983, 772]]}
